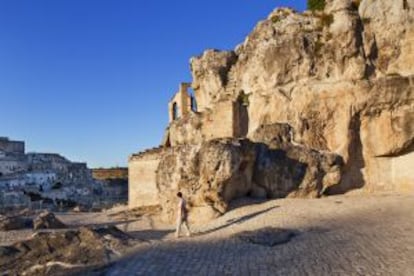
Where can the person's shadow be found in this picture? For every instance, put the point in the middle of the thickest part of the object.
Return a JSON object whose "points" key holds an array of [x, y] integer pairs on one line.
{"points": [[236, 221]]}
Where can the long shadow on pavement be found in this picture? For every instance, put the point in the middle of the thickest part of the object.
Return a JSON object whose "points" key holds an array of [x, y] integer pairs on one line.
{"points": [[150, 234], [237, 221]]}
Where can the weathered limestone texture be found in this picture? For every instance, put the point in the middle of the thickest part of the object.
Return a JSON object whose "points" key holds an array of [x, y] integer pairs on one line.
{"points": [[180, 104], [327, 98], [210, 75], [142, 186], [226, 119], [213, 173], [38, 177]]}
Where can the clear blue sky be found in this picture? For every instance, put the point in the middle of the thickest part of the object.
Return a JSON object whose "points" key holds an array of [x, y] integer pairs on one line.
{"points": [[91, 79]]}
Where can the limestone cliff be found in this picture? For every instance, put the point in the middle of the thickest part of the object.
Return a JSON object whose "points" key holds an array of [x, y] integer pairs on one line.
{"points": [[323, 103], [342, 78]]}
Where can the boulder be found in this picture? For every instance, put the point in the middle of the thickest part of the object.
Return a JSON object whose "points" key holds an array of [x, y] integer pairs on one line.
{"points": [[214, 173], [286, 168], [209, 175], [47, 220], [54, 253]]}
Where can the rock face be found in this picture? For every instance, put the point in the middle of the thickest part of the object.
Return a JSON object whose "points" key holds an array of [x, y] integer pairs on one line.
{"points": [[210, 75], [342, 78], [215, 172], [388, 35], [209, 175], [53, 253], [47, 220], [310, 103], [285, 169]]}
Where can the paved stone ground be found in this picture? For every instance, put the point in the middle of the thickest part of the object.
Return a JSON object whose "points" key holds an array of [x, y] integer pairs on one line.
{"points": [[341, 235]]}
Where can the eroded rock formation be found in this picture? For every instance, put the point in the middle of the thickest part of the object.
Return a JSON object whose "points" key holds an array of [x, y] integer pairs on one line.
{"points": [[60, 253], [323, 102], [47, 220]]}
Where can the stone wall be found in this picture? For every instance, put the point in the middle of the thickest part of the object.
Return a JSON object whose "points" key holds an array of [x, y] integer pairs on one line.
{"points": [[226, 119], [221, 121], [142, 185], [12, 156], [180, 104], [110, 173]]}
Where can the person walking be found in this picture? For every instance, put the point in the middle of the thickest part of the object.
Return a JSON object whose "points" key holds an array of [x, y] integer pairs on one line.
{"points": [[182, 215]]}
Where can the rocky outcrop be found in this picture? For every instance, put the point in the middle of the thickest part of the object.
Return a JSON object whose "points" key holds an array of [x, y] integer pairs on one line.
{"points": [[209, 175], [287, 169], [57, 253], [341, 78], [47, 220], [210, 74], [215, 172], [389, 36]]}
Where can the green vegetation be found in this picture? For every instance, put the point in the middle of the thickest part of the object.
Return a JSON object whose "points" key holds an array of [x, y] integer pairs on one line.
{"points": [[286, 12], [366, 20], [316, 5], [275, 18], [243, 98]]}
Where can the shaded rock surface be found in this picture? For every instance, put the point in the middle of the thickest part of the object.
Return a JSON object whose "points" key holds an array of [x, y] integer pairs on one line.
{"points": [[8, 223], [48, 253], [47, 220]]}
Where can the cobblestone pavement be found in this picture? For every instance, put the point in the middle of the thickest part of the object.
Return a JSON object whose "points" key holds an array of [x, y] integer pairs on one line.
{"points": [[341, 235]]}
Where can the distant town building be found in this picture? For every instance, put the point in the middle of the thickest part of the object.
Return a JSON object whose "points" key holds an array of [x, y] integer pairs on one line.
{"points": [[47, 175], [114, 182]]}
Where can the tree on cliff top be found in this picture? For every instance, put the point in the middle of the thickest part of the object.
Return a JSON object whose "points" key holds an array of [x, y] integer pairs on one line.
{"points": [[314, 5]]}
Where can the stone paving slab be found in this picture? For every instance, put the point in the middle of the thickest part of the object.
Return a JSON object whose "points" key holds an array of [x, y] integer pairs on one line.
{"points": [[336, 236]]}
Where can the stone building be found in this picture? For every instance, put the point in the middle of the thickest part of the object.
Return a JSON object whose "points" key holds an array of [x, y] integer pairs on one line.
{"points": [[47, 174], [12, 156], [8, 146], [189, 124]]}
